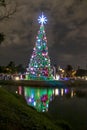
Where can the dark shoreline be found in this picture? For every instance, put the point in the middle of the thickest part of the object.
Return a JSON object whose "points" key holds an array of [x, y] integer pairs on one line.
{"points": [[54, 83]]}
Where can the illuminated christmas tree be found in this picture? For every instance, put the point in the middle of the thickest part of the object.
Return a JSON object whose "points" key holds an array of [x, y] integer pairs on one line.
{"points": [[39, 67]]}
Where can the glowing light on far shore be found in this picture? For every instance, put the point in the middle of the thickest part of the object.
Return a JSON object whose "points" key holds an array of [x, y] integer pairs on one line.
{"points": [[17, 78]]}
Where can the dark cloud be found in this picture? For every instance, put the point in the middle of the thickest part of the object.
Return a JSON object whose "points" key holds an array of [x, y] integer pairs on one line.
{"points": [[66, 31]]}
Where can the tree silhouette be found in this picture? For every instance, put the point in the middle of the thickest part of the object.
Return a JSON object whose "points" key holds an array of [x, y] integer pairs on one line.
{"points": [[7, 8], [11, 67], [2, 36], [2, 3], [68, 70]]}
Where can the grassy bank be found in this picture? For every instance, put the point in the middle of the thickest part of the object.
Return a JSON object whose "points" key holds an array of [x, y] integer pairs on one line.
{"points": [[15, 114]]}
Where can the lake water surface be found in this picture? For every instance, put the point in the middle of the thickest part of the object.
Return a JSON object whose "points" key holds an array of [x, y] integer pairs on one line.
{"points": [[66, 104]]}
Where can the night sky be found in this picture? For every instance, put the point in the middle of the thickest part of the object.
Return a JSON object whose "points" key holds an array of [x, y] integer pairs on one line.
{"points": [[66, 32]]}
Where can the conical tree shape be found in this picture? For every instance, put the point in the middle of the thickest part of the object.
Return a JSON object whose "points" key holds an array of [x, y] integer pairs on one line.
{"points": [[39, 67]]}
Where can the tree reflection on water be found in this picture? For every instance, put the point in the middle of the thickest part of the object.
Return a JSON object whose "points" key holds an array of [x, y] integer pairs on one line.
{"points": [[39, 98]]}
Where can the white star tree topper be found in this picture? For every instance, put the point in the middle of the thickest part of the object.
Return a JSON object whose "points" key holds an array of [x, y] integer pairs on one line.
{"points": [[42, 19]]}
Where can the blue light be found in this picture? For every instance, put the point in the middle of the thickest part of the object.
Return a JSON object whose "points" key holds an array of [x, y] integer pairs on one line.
{"points": [[39, 47], [42, 19], [38, 40]]}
